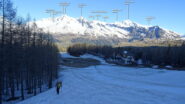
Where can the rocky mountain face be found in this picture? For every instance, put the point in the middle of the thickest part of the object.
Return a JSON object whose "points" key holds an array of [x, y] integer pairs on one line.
{"points": [[67, 29]]}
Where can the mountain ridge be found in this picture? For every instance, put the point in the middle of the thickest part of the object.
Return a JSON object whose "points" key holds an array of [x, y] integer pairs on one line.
{"points": [[123, 31]]}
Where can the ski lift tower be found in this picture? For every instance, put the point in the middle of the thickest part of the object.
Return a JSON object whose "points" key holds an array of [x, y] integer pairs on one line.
{"points": [[64, 6], [149, 19], [98, 13], [128, 3], [91, 17], [116, 11], [52, 13], [105, 18], [81, 6]]}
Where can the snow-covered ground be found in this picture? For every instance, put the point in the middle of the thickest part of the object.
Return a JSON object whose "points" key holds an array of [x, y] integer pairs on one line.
{"points": [[111, 84]]}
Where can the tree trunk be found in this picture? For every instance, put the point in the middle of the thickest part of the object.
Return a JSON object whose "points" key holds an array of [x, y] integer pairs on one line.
{"points": [[22, 86], [12, 88], [35, 87], [0, 87]]}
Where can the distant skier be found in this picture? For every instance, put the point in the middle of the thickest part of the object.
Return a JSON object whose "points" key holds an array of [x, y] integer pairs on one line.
{"points": [[58, 86]]}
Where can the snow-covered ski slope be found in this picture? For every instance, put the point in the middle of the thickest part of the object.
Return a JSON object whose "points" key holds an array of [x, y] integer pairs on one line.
{"points": [[111, 84]]}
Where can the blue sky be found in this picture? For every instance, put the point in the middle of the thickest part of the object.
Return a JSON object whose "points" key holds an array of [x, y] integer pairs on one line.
{"points": [[169, 14]]}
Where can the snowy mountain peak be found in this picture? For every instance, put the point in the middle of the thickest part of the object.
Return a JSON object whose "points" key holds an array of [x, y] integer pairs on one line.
{"points": [[129, 23], [65, 17]]}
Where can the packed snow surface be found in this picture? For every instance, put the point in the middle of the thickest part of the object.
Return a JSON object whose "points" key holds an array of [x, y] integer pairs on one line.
{"points": [[111, 84]]}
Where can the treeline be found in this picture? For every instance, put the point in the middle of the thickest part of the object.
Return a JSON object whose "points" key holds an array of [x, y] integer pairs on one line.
{"points": [[28, 57], [169, 55], [155, 55], [98, 50]]}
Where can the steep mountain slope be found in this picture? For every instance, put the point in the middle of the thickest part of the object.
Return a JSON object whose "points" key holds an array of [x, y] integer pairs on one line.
{"points": [[120, 31]]}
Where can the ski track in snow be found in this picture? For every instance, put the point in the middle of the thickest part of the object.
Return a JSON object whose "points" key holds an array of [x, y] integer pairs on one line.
{"points": [[111, 84]]}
